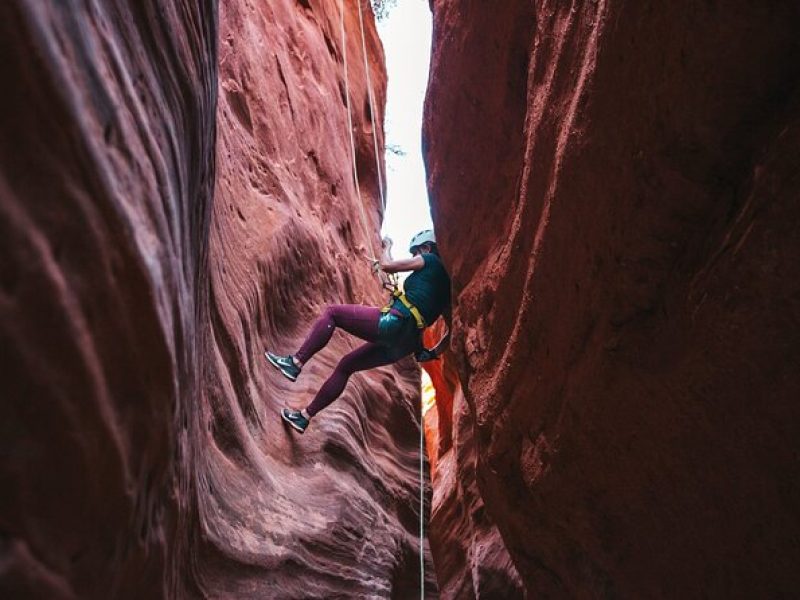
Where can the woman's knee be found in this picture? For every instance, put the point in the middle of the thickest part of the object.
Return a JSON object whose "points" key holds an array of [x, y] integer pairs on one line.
{"points": [[361, 359], [358, 360], [332, 313], [347, 366], [328, 316]]}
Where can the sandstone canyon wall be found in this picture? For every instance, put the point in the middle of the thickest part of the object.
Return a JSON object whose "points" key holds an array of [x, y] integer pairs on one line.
{"points": [[176, 194], [470, 556], [107, 166], [334, 513], [614, 187]]}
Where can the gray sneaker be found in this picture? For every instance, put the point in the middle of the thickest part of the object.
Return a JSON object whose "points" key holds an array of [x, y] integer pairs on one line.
{"points": [[295, 418], [284, 364]]}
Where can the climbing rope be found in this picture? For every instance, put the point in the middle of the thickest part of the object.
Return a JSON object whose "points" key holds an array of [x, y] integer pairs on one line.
{"points": [[389, 283], [369, 242], [421, 500], [350, 132], [371, 99]]}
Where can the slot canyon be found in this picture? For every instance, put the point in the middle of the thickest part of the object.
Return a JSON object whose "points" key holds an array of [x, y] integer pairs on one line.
{"points": [[614, 187]]}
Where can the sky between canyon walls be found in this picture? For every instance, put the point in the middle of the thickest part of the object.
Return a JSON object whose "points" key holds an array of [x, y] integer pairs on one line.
{"points": [[406, 36]]}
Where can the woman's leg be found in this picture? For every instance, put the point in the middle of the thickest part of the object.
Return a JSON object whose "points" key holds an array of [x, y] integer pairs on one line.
{"points": [[361, 321], [362, 358]]}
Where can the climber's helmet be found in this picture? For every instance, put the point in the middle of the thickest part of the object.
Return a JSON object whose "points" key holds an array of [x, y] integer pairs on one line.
{"points": [[421, 239]]}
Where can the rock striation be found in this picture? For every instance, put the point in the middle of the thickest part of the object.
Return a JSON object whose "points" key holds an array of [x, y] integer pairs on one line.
{"points": [[626, 313], [176, 194], [107, 133]]}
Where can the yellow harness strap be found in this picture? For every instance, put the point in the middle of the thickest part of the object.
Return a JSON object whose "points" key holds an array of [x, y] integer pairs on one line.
{"points": [[411, 308]]}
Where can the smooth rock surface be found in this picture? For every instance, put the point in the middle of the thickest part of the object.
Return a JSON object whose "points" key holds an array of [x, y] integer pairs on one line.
{"points": [[176, 194], [614, 188]]}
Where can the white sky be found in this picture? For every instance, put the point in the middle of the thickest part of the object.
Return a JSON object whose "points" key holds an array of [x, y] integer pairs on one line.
{"points": [[406, 36]]}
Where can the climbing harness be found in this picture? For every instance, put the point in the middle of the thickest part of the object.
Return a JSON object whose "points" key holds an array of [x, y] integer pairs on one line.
{"points": [[399, 295], [392, 282]]}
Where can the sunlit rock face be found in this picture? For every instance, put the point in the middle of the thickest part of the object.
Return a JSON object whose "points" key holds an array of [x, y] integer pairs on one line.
{"points": [[614, 189], [176, 194]]}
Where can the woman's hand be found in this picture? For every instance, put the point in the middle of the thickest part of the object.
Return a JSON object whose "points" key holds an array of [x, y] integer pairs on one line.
{"points": [[425, 355]]}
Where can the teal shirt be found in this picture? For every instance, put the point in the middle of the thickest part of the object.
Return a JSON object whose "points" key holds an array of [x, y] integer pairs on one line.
{"points": [[429, 288]]}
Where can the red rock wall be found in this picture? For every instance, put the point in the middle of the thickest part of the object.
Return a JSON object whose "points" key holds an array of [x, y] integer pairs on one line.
{"points": [[627, 305], [175, 195], [470, 556], [333, 513], [444, 378], [106, 171]]}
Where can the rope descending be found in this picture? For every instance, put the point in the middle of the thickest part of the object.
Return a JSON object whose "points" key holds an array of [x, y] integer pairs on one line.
{"points": [[391, 283], [388, 283]]}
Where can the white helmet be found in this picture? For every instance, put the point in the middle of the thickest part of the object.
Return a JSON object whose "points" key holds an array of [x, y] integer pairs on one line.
{"points": [[423, 237]]}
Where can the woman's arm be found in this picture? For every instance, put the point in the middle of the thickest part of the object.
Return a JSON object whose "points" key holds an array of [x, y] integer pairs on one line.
{"points": [[407, 264]]}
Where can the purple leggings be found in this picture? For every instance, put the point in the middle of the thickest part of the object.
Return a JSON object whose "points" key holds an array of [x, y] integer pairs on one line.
{"points": [[361, 321]]}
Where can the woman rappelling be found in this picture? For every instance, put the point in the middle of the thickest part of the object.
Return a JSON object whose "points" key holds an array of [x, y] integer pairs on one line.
{"points": [[391, 333]]}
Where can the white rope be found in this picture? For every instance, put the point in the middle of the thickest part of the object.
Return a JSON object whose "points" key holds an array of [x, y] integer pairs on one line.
{"points": [[390, 282], [421, 500], [371, 98], [350, 131], [369, 241]]}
